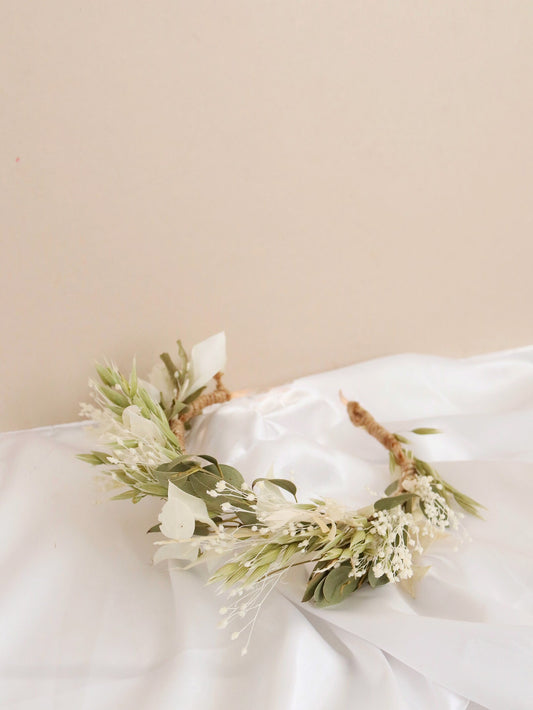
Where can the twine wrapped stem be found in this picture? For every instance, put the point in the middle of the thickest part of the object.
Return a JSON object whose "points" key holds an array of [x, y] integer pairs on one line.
{"points": [[360, 417], [218, 395]]}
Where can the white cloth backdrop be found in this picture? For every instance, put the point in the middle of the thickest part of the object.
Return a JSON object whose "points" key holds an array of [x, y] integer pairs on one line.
{"points": [[88, 622]]}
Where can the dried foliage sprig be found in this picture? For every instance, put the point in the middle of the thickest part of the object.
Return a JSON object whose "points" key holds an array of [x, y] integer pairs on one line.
{"points": [[259, 532]]}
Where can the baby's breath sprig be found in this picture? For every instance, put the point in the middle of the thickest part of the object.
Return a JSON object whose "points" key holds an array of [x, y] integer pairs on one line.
{"points": [[260, 531]]}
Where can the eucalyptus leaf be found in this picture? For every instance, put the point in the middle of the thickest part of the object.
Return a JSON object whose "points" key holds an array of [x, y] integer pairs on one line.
{"points": [[391, 487], [173, 465], [227, 473], [338, 584], [376, 581], [392, 501], [281, 483], [312, 584], [318, 597]]}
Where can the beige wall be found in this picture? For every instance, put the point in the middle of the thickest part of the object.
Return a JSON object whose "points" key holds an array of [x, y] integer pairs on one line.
{"points": [[326, 181]]}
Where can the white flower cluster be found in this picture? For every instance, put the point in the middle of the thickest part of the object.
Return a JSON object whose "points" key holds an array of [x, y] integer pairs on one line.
{"points": [[396, 539], [438, 513]]}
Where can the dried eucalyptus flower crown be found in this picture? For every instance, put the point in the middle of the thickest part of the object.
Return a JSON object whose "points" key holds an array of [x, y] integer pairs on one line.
{"points": [[260, 531]]}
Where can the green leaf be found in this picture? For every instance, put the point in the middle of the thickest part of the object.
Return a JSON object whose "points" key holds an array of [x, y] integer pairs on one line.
{"points": [[171, 368], [107, 375], [153, 489], [96, 458], [338, 584], [421, 431], [201, 483], [392, 501], [177, 407], [318, 597], [312, 584], [358, 540], [184, 485], [202, 529], [211, 459], [194, 395], [115, 396], [391, 487], [401, 438], [154, 528], [280, 482], [174, 464], [133, 378], [126, 495], [225, 572], [469, 505], [184, 362], [376, 581], [226, 473]]}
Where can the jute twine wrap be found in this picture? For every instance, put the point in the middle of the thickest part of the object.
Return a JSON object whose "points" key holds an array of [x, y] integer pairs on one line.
{"points": [[362, 418], [219, 394]]}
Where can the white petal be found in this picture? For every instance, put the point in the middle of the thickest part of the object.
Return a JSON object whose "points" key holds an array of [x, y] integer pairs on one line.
{"points": [[207, 358], [177, 520], [176, 551], [196, 505]]}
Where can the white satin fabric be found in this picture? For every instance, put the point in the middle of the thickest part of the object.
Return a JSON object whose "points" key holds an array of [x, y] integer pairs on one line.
{"points": [[88, 622]]}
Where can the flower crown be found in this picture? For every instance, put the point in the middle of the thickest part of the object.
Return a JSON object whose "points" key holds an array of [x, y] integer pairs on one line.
{"points": [[258, 532]]}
